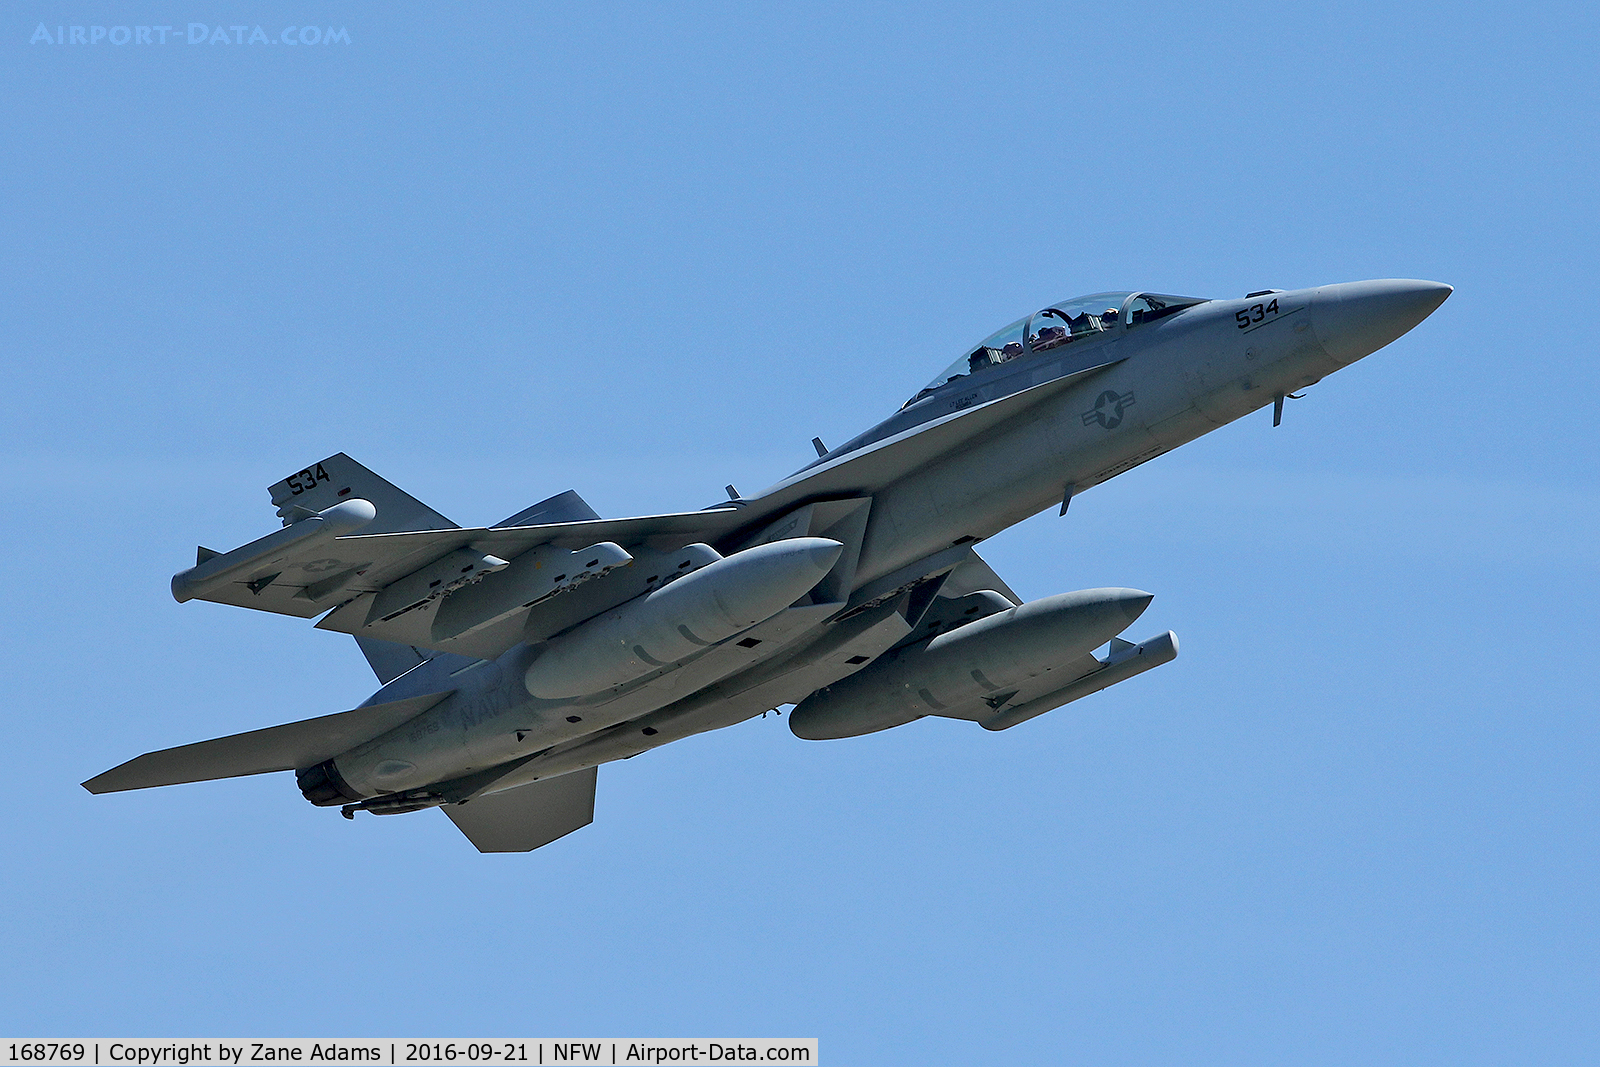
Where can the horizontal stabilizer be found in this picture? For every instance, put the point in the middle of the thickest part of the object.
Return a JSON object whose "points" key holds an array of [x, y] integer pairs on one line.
{"points": [[277, 748], [524, 818]]}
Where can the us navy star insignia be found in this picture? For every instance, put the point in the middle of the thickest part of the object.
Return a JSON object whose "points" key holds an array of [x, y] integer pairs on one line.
{"points": [[1108, 409]]}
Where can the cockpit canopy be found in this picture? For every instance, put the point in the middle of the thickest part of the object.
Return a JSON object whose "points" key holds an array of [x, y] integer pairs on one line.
{"points": [[1064, 323]]}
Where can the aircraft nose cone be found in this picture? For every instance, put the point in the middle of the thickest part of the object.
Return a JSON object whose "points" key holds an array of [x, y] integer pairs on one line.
{"points": [[1355, 319]]}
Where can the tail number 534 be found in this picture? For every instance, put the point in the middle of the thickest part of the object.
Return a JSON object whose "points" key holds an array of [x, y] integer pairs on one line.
{"points": [[306, 479]]}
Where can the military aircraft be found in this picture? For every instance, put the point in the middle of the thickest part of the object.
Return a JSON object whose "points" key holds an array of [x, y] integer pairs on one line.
{"points": [[516, 658]]}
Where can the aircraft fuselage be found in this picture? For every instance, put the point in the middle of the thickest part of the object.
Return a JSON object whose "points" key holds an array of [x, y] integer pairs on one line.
{"points": [[1167, 383], [522, 655]]}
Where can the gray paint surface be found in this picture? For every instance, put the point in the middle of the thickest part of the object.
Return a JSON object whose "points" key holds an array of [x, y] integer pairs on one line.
{"points": [[904, 501]]}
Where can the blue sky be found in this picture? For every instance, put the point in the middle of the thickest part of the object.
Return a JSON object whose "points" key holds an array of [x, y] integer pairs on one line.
{"points": [[643, 251]]}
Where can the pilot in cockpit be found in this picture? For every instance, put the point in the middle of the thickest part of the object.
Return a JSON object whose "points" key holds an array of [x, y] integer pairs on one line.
{"points": [[1049, 337]]}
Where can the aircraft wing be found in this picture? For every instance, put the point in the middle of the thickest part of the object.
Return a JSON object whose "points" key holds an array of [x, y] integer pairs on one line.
{"points": [[353, 542], [316, 567], [368, 556]]}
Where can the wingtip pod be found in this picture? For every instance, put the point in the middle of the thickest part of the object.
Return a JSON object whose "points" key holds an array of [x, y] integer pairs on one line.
{"points": [[959, 673], [347, 516], [1123, 663]]}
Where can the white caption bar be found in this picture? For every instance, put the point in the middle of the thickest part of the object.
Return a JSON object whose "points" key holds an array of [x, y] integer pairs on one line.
{"points": [[395, 1052]]}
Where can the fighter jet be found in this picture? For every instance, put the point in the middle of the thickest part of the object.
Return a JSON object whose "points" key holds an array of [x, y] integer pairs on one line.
{"points": [[517, 658]]}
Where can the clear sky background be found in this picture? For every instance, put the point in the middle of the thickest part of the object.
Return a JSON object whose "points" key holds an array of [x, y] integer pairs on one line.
{"points": [[496, 251]]}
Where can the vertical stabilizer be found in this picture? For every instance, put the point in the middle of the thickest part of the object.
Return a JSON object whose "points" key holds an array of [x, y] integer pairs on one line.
{"points": [[337, 478], [524, 818], [563, 507], [390, 660]]}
